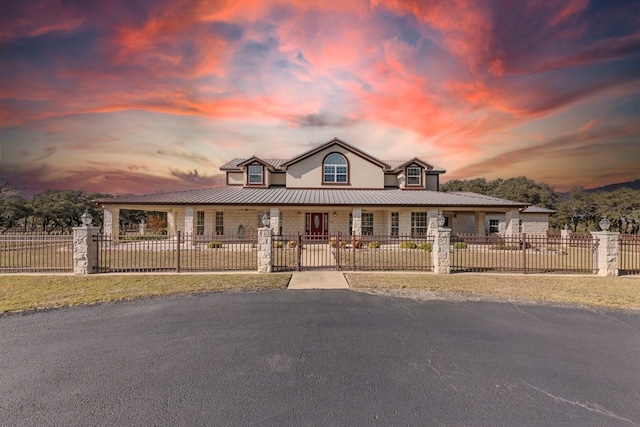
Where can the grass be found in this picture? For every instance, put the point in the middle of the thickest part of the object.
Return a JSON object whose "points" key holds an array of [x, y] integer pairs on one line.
{"points": [[27, 292], [613, 292]]}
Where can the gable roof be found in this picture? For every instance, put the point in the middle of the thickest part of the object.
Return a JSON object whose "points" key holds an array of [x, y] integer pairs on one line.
{"points": [[398, 165], [236, 164], [336, 141]]}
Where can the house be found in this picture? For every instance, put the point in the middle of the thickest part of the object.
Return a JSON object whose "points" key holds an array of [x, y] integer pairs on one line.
{"points": [[334, 187]]}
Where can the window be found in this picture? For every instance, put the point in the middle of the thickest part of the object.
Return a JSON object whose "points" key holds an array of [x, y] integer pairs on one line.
{"points": [[520, 226], [219, 223], [367, 223], [419, 223], [494, 226], [335, 169], [200, 223], [255, 174], [414, 176], [395, 223]]}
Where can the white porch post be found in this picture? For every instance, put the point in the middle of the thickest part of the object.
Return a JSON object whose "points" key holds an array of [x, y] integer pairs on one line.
{"points": [[480, 226], [432, 221], [274, 220], [512, 219], [171, 222], [357, 222], [111, 223]]}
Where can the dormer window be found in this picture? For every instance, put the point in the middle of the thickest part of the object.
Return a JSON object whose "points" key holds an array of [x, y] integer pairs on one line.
{"points": [[336, 169], [414, 176], [255, 174]]}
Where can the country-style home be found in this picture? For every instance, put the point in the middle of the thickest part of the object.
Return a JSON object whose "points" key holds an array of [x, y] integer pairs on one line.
{"points": [[334, 187]]}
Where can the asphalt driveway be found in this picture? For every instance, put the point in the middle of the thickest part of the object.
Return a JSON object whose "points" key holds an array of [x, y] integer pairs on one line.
{"points": [[319, 358]]}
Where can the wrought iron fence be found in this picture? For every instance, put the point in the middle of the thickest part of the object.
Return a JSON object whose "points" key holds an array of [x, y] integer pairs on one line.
{"points": [[629, 254], [36, 253], [359, 253], [178, 252], [524, 254]]}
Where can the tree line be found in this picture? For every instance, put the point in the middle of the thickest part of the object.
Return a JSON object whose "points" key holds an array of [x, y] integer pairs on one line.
{"points": [[579, 209], [57, 211]]}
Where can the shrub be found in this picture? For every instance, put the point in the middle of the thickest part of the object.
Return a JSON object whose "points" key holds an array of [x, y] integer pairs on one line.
{"points": [[374, 245], [356, 242], [278, 245], [292, 244], [333, 242], [459, 245], [426, 247], [214, 245], [408, 245]]}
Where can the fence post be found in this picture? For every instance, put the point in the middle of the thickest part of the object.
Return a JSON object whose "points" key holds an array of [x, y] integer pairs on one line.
{"points": [[265, 250], [178, 252], [85, 249], [440, 252], [524, 253], [607, 253]]}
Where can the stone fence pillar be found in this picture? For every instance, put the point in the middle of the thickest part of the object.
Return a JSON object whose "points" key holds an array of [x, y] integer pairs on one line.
{"points": [[606, 259], [440, 252], [85, 249], [265, 250]]}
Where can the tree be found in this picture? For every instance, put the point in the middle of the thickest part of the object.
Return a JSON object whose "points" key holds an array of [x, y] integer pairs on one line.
{"points": [[13, 208], [60, 210], [520, 189], [621, 207]]}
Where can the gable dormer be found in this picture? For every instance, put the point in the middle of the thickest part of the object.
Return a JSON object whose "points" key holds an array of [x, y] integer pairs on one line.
{"points": [[416, 174], [335, 164]]}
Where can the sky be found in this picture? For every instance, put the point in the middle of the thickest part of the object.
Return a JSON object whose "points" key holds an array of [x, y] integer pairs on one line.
{"points": [[141, 96]]}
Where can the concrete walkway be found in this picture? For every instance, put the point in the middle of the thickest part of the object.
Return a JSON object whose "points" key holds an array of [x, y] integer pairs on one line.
{"points": [[318, 280]]}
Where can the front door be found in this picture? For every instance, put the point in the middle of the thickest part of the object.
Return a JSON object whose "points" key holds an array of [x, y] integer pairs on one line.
{"points": [[317, 225]]}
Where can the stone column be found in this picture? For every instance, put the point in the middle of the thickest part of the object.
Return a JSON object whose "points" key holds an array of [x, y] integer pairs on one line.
{"points": [[274, 220], [111, 223], [357, 222], [607, 254], [265, 250], [512, 219], [85, 250], [440, 252], [480, 223]]}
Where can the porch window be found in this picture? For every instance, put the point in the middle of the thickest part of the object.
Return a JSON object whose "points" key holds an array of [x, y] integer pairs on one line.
{"points": [[395, 223], [494, 226], [255, 173], [367, 223], [419, 223], [414, 176], [336, 169], [199, 223], [219, 223]]}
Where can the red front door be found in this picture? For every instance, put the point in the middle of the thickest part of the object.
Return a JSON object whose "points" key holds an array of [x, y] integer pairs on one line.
{"points": [[317, 224]]}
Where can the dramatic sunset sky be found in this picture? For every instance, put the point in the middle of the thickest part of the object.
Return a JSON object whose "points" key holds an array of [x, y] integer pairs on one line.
{"points": [[140, 96]]}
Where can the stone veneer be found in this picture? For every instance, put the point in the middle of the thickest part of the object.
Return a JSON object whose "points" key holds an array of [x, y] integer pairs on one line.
{"points": [[85, 250], [608, 244], [440, 252], [265, 250]]}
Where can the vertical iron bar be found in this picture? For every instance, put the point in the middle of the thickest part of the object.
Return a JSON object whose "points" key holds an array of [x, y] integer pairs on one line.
{"points": [[524, 253], [178, 253]]}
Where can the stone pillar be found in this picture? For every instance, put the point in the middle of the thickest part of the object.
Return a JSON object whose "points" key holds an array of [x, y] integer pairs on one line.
{"points": [[274, 220], [357, 222], [432, 221], [480, 223], [440, 252], [265, 250], [111, 223], [512, 219], [85, 249], [607, 254]]}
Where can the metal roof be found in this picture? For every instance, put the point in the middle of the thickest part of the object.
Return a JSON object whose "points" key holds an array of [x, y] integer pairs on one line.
{"points": [[281, 196], [233, 164], [538, 209]]}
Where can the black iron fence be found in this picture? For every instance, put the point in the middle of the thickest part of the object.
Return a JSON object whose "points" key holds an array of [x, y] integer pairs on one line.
{"points": [[524, 254], [36, 253], [629, 254], [178, 252], [298, 252]]}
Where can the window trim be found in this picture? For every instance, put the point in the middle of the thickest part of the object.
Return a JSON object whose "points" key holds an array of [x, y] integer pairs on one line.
{"points": [[335, 174], [200, 223], [497, 226], [249, 174], [395, 225], [368, 226], [219, 224], [419, 176], [419, 227]]}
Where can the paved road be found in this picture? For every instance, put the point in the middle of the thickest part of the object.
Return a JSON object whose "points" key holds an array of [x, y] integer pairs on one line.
{"points": [[319, 358]]}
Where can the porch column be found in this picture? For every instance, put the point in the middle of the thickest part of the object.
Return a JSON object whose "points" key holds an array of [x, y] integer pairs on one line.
{"points": [[274, 220], [357, 222], [480, 223], [432, 221], [171, 222], [607, 254], [111, 223], [512, 219], [189, 218]]}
